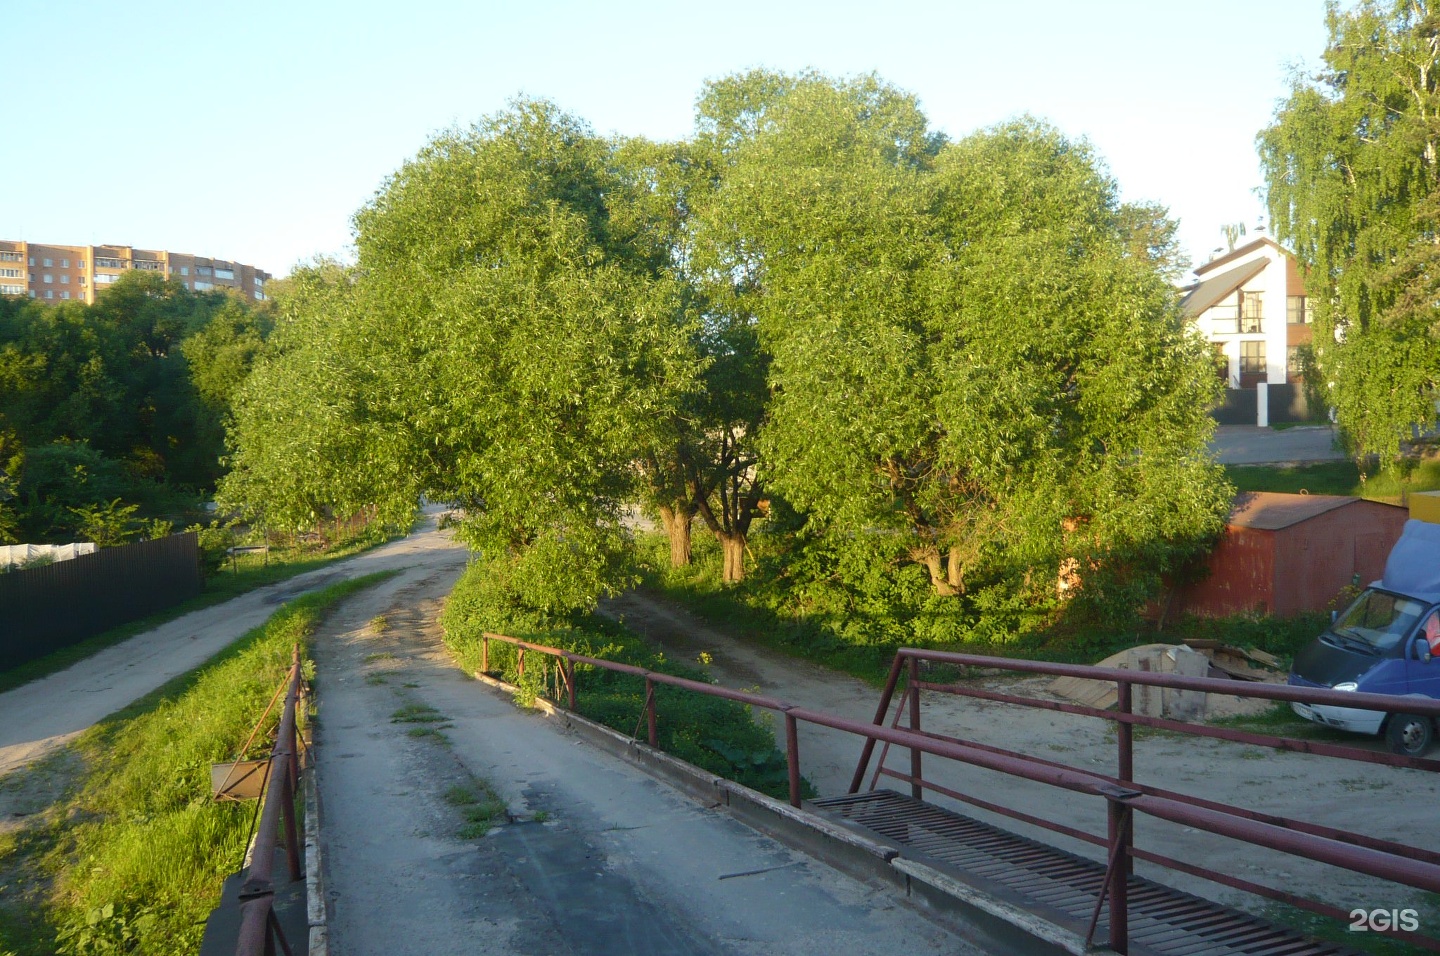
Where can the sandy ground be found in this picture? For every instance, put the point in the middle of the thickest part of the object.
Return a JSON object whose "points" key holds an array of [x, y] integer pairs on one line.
{"points": [[43, 715], [599, 857], [1385, 802]]}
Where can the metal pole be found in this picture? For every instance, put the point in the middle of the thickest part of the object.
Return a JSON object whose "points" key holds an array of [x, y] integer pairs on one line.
{"points": [[650, 709], [1119, 831], [792, 758], [916, 790], [880, 711]]}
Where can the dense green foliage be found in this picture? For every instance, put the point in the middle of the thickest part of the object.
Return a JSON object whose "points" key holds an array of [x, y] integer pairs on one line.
{"points": [[952, 373], [115, 405], [140, 848], [1352, 162], [719, 735]]}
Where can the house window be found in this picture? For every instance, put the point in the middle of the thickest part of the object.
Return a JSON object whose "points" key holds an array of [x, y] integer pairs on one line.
{"points": [[108, 263], [81, 280], [1297, 310], [1252, 363], [225, 273], [10, 257], [184, 270], [64, 263], [1294, 371], [202, 286], [49, 263], [1250, 312], [49, 294], [9, 273], [79, 263], [65, 294], [64, 278], [104, 277], [48, 278], [12, 290], [1222, 362]]}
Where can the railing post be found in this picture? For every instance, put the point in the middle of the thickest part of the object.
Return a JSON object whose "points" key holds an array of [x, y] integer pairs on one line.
{"points": [[484, 653], [567, 667], [916, 790], [1119, 819], [520, 657], [650, 709], [792, 757]]}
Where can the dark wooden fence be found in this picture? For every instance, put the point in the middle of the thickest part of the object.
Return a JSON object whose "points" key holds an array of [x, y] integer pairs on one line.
{"points": [[44, 609]]}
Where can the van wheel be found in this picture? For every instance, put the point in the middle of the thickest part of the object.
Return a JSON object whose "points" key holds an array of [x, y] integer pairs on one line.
{"points": [[1409, 734]]}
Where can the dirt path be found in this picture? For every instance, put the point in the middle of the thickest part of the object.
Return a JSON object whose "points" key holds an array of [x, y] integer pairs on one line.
{"points": [[45, 714], [599, 857], [1382, 801]]}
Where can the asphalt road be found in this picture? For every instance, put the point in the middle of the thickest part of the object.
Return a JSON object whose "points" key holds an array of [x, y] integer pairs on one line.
{"points": [[597, 858], [1250, 445], [43, 715]]}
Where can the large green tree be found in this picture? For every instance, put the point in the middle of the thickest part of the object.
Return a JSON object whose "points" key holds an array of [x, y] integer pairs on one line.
{"points": [[505, 342], [1352, 162], [978, 366]]}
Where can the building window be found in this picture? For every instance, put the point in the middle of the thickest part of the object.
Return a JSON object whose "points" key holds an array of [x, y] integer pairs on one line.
{"points": [[259, 282], [1222, 362], [1250, 312], [10, 257], [79, 263], [64, 278], [1252, 363], [81, 280], [108, 263], [201, 286], [102, 278], [47, 278], [1294, 371], [12, 290], [184, 270], [65, 294], [225, 273], [64, 263], [49, 263], [32, 260], [9, 273], [203, 270], [260, 297], [148, 265], [1297, 310], [49, 294]]}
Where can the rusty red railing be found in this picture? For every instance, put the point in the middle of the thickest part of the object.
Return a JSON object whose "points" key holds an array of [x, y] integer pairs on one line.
{"points": [[1416, 867], [260, 930]]}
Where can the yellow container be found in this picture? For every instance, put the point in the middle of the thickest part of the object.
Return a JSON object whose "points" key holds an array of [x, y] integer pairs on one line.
{"points": [[1425, 506]]}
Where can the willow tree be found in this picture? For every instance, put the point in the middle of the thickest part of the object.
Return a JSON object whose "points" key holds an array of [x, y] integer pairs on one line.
{"points": [[1352, 164], [978, 366], [504, 345]]}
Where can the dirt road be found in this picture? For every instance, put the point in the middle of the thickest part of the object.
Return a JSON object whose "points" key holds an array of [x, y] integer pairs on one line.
{"points": [[598, 857], [43, 715], [1382, 801]]}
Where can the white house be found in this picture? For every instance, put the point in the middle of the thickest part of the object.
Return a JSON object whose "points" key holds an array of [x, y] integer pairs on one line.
{"points": [[1250, 305]]}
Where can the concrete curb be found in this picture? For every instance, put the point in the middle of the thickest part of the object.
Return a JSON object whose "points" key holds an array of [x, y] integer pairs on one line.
{"points": [[996, 925], [316, 906]]}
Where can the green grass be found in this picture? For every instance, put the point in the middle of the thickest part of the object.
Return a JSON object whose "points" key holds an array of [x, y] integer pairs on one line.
{"points": [[417, 714], [1336, 478], [220, 586], [480, 806], [132, 857]]}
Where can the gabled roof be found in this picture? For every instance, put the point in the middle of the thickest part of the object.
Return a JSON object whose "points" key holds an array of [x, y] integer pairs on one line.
{"points": [[1206, 293], [1240, 251], [1271, 511]]}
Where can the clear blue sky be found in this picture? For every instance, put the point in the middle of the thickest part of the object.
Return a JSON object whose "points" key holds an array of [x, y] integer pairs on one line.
{"points": [[254, 131]]}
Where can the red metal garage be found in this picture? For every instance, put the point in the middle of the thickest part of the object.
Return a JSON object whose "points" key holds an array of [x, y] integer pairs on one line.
{"points": [[1285, 554]]}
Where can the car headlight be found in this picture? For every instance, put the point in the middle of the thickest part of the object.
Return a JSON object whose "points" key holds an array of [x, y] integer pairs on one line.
{"points": [[1347, 685]]}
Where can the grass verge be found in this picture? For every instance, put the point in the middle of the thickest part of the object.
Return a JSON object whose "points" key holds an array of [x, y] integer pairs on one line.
{"points": [[220, 586], [132, 856], [1336, 478]]}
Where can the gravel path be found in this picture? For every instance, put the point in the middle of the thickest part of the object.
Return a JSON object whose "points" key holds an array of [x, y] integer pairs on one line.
{"points": [[600, 858]]}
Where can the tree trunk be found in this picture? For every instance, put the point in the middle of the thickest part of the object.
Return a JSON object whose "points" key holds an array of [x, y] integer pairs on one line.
{"points": [[953, 575], [930, 558], [677, 522], [732, 546]]}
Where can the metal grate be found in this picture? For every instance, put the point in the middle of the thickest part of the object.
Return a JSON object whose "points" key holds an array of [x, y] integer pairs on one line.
{"points": [[1062, 887]]}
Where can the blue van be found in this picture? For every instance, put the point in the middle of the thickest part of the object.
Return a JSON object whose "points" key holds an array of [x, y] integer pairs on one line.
{"points": [[1386, 642]]}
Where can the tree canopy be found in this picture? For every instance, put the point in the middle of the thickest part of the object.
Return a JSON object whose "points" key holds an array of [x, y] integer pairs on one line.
{"points": [[1351, 164]]}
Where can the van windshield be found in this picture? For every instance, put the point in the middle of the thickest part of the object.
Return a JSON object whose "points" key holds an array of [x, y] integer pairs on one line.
{"points": [[1379, 619]]}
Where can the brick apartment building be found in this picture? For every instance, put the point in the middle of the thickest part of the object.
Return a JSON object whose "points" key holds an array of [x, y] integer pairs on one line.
{"points": [[58, 273]]}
